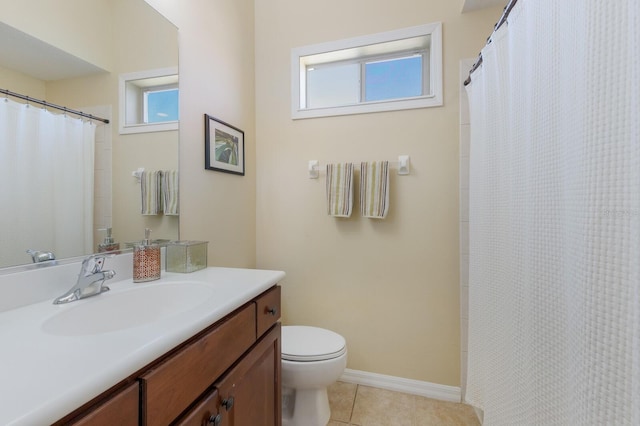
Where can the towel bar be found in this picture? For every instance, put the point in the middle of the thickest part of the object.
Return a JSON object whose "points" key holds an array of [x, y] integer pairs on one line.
{"points": [[403, 164]]}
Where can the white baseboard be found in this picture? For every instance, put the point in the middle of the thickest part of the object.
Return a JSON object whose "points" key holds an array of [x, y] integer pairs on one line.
{"points": [[479, 414], [399, 384]]}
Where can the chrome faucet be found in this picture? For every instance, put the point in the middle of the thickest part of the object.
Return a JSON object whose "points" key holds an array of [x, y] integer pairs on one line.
{"points": [[41, 256], [90, 280]]}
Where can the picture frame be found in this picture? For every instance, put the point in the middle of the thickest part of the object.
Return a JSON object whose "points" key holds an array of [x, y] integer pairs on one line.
{"points": [[223, 146]]}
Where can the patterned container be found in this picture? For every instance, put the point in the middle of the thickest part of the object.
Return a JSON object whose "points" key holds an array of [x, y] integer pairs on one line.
{"points": [[146, 263]]}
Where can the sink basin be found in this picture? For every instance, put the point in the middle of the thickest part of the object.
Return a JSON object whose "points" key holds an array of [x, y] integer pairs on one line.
{"points": [[118, 310]]}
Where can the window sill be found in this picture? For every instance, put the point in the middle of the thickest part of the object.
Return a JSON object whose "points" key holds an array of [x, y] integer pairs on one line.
{"points": [[149, 128], [369, 107]]}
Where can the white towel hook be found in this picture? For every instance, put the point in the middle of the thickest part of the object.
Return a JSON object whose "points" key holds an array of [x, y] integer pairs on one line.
{"points": [[137, 173], [314, 173], [404, 165]]}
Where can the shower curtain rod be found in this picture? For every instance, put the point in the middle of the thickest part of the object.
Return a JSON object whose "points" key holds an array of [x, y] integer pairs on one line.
{"points": [[50, 105], [503, 18]]}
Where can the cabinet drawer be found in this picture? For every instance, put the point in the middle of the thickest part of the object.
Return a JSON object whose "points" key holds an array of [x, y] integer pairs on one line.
{"points": [[173, 385], [268, 305], [121, 409]]}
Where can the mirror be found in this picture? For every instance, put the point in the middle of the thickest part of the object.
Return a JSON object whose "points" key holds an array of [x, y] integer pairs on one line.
{"points": [[76, 60]]}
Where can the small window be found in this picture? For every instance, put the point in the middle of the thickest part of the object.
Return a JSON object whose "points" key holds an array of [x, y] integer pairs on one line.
{"points": [[332, 84], [160, 104], [396, 78], [149, 101], [382, 72]]}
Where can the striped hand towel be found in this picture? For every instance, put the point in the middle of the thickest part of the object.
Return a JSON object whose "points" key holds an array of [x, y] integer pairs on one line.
{"points": [[170, 192], [339, 189], [374, 189], [150, 182]]}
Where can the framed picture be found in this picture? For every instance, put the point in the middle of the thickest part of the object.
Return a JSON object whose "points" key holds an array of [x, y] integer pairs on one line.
{"points": [[223, 146]]}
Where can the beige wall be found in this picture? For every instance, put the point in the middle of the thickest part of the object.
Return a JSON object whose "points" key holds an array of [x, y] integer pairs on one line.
{"points": [[22, 83], [79, 27], [391, 286], [216, 78]]}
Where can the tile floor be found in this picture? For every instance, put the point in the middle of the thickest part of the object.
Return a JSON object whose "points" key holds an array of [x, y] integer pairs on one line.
{"points": [[359, 405]]}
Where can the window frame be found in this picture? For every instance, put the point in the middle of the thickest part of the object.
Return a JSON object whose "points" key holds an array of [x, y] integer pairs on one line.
{"points": [[433, 72], [125, 100]]}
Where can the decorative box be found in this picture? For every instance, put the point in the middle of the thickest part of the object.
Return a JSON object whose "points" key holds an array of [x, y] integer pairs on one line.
{"points": [[186, 256]]}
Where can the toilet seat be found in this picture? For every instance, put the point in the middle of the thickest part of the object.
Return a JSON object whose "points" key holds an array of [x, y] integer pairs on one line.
{"points": [[305, 344]]}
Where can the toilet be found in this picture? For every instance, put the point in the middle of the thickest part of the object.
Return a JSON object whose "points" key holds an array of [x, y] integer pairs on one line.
{"points": [[312, 359]]}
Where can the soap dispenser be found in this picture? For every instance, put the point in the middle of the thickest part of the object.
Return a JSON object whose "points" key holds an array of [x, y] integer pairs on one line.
{"points": [[146, 260], [109, 243]]}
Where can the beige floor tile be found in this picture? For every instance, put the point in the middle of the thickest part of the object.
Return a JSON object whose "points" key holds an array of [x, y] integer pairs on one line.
{"points": [[431, 412], [341, 398], [381, 407], [357, 405]]}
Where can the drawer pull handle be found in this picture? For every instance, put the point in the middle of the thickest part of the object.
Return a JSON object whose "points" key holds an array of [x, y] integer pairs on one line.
{"points": [[215, 420], [272, 311], [227, 403]]}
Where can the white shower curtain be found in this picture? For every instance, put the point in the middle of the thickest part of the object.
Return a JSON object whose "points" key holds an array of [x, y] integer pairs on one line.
{"points": [[46, 172], [554, 276]]}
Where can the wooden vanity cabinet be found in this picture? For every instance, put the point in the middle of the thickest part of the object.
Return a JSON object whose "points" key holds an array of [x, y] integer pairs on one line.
{"points": [[251, 386], [176, 383], [226, 375], [248, 394], [206, 412], [121, 409], [268, 310], [239, 358]]}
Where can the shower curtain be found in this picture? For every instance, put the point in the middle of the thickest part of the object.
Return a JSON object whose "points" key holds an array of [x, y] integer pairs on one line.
{"points": [[554, 276], [46, 173]]}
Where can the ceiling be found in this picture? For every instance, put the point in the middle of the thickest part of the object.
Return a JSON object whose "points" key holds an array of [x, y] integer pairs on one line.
{"points": [[29, 55]]}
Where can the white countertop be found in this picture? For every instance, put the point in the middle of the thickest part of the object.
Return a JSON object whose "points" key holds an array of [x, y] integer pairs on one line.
{"points": [[43, 376]]}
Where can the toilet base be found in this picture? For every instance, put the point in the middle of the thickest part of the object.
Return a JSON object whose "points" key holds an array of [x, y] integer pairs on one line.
{"points": [[305, 407]]}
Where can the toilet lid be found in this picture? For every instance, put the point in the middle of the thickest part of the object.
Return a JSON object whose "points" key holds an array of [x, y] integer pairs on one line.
{"points": [[303, 343]]}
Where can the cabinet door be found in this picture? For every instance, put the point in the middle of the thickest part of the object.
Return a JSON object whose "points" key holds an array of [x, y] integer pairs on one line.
{"points": [[250, 394], [205, 413]]}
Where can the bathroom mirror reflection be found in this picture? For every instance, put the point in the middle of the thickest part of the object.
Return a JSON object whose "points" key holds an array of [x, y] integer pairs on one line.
{"points": [[148, 101], [75, 60]]}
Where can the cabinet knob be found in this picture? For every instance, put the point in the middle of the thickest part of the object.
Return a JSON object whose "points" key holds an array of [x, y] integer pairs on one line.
{"points": [[215, 420], [227, 403], [272, 311]]}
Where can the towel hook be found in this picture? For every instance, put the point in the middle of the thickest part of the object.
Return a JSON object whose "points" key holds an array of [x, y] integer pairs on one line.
{"points": [[404, 165], [138, 173], [314, 173]]}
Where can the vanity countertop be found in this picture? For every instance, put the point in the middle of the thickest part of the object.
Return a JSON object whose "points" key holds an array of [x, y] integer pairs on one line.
{"points": [[44, 376]]}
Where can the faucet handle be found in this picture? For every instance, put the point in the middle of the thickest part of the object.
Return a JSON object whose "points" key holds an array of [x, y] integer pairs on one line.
{"points": [[94, 263]]}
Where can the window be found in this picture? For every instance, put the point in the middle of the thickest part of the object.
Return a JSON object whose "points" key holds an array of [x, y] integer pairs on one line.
{"points": [[388, 71], [395, 78], [149, 101], [160, 104]]}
